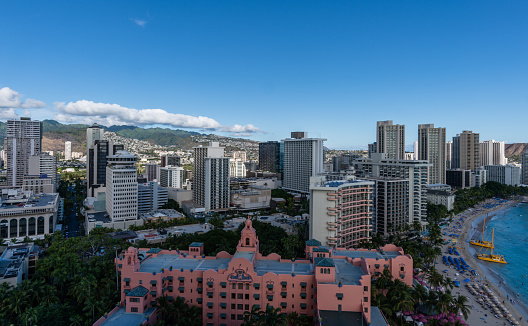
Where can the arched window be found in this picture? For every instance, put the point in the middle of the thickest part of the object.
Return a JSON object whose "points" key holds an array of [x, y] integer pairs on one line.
{"points": [[51, 224], [22, 224], [13, 228], [247, 241], [40, 225], [322, 270], [31, 226], [3, 228]]}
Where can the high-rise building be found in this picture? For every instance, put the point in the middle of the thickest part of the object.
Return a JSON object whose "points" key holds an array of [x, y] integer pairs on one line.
{"points": [[416, 148], [391, 139], [372, 148], [23, 139], [455, 162], [270, 156], [121, 186], [151, 196], [237, 167], [469, 150], [505, 174], [68, 150], [458, 178], [211, 177], [492, 153], [524, 168], [41, 164], [431, 148], [97, 163], [449, 154], [390, 210], [172, 177], [93, 134], [415, 172], [303, 159], [340, 211], [170, 160], [152, 172]]}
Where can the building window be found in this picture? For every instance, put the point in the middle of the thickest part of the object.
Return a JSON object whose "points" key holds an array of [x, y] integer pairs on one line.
{"points": [[134, 309], [232, 295], [240, 306], [233, 306], [240, 296], [240, 286], [247, 296], [365, 299]]}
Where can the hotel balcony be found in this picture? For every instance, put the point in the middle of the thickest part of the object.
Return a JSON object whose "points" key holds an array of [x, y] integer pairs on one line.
{"points": [[332, 228], [331, 214], [332, 223], [331, 238], [331, 208]]}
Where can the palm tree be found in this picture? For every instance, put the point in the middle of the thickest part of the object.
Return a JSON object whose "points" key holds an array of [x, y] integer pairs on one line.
{"points": [[419, 294], [251, 318], [460, 303], [273, 317], [444, 302]]}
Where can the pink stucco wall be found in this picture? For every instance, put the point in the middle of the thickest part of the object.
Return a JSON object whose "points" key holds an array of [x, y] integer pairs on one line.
{"points": [[225, 295]]}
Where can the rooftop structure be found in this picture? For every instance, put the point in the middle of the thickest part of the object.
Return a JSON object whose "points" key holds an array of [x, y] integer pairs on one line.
{"points": [[23, 214], [17, 262]]}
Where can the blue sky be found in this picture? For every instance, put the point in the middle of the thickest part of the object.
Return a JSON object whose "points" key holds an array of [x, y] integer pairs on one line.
{"points": [[264, 69]]}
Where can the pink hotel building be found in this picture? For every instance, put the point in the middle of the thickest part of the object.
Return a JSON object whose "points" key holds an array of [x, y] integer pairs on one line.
{"points": [[332, 285]]}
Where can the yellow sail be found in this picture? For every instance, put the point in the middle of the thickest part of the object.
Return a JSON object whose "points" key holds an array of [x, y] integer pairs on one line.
{"points": [[491, 257], [483, 243]]}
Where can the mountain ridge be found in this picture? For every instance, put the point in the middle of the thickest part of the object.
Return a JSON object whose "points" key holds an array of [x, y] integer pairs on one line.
{"points": [[54, 134]]}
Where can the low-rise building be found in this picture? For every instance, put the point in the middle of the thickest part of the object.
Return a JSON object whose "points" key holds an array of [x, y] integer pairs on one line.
{"points": [[17, 263], [254, 197], [23, 214], [161, 215], [326, 283], [441, 197]]}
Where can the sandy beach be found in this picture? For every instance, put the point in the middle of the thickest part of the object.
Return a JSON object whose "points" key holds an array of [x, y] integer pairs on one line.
{"points": [[465, 225]]}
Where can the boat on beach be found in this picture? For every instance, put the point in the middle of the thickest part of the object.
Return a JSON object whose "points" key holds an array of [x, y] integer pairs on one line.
{"points": [[491, 257], [482, 242]]}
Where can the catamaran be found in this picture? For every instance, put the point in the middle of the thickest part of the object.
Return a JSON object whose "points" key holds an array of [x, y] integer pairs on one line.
{"points": [[491, 257], [483, 243]]}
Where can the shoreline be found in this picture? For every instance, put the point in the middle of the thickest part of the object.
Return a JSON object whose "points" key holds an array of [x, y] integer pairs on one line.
{"points": [[466, 225], [495, 277]]}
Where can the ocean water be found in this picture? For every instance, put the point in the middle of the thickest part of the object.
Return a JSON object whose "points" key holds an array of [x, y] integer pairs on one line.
{"points": [[511, 241]]}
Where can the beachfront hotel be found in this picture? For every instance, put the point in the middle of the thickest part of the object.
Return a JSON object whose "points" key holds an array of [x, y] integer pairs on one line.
{"points": [[340, 211], [332, 285]]}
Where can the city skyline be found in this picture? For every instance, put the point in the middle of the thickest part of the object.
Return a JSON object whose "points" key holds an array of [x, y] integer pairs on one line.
{"points": [[262, 70]]}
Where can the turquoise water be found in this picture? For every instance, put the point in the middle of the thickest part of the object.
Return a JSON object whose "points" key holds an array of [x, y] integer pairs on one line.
{"points": [[511, 240]]}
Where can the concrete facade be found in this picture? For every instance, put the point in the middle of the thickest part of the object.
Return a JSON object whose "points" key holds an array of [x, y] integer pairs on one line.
{"points": [[303, 159], [211, 177], [492, 153], [504, 174], [340, 211], [390, 139], [122, 187], [432, 148], [23, 214], [23, 139]]}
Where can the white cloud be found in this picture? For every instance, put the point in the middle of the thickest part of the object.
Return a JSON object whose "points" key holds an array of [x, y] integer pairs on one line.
{"points": [[88, 112], [240, 130], [8, 114], [139, 22], [10, 99]]}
